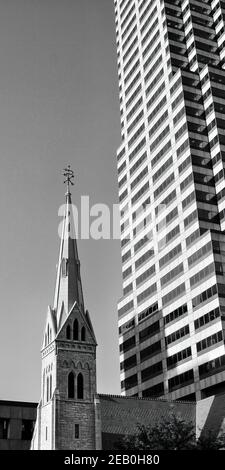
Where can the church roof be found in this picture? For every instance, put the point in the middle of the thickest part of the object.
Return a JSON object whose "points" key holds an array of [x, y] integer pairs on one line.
{"points": [[120, 415]]}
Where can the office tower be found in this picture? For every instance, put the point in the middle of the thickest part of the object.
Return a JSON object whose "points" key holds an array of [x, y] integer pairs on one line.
{"points": [[171, 68]]}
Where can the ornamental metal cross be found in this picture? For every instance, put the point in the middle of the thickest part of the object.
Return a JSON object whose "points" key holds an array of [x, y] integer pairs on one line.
{"points": [[69, 175]]}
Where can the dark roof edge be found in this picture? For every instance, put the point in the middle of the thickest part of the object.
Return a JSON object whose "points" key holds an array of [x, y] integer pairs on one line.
{"points": [[145, 398], [25, 404]]}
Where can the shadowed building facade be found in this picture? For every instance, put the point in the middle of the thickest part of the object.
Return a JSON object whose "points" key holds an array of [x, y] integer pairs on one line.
{"points": [[171, 70]]}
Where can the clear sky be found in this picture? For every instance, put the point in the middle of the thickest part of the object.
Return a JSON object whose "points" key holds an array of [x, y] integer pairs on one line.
{"points": [[58, 105]]}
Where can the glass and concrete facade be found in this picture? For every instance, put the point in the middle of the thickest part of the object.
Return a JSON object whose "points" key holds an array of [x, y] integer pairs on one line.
{"points": [[171, 175]]}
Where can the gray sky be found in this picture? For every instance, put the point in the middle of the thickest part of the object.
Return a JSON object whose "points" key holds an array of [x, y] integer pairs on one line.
{"points": [[58, 105]]}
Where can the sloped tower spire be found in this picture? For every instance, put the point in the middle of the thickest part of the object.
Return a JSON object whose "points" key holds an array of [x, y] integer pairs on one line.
{"points": [[67, 413], [68, 289]]}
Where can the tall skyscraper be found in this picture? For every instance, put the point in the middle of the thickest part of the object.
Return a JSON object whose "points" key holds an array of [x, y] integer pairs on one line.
{"points": [[171, 66]]}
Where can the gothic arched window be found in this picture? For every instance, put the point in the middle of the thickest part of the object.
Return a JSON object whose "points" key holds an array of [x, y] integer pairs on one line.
{"points": [[43, 392], [80, 386], [83, 334], [68, 332], [50, 387], [71, 385], [47, 392], [75, 330], [48, 335]]}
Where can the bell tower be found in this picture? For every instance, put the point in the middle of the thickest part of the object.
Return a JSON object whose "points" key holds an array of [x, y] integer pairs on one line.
{"points": [[67, 416]]}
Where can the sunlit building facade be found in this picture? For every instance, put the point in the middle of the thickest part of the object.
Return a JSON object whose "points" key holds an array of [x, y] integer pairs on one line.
{"points": [[171, 70]]}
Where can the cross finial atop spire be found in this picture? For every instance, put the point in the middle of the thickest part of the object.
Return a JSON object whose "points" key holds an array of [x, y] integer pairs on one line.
{"points": [[69, 175]]}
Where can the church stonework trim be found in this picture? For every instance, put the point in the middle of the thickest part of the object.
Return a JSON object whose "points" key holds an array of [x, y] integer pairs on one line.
{"points": [[68, 414]]}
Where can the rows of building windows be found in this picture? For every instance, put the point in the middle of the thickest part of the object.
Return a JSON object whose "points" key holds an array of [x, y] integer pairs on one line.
{"points": [[161, 154], [127, 16], [155, 391], [123, 195], [137, 149], [192, 238], [159, 139], [204, 273], [128, 344], [173, 360], [142, 242], [150, 45], [182, 148], [150, 331], [129, 363], [138, 163], [155, 112], [201, 253], [168, 257], [131, 72], [210, 341], [152, 55], [184, 164], [140, 193], [167, 220], [188, 200], [126, 308], [148, 311], [151, 371], [122, 12], [169, 277], [146, 275], [169, 237], [176, 314], [191, 218], [146, 293], [150, 89], [154, 97], [150, 351], [207, 318], [129, 62], [134, 109], [127, 29], [150, 18], [172, 295], [211, 367], [166, 202], [129, 49], [158, 123], [122, 181], [204, 296], [126, 256], [122, 167], [181, 380], [135, 93], [157, 63], [149, 32], [164, 185], [130, 382], [140, 177], [176, 335], [128, 289], [185, 183]]}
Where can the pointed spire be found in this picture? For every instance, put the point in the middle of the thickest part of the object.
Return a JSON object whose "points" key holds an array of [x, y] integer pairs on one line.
{"points": [[68, 288]]}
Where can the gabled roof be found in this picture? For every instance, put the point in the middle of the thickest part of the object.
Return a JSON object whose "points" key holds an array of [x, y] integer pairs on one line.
{"points": [[120, 415]]}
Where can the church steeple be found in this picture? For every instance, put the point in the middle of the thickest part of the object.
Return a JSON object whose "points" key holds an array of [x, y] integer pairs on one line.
{"points": [[66, 414], [68, 289]]}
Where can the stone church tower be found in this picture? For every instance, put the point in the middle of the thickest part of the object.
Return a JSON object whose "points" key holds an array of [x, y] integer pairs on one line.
{"points": [[67, 415]]}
